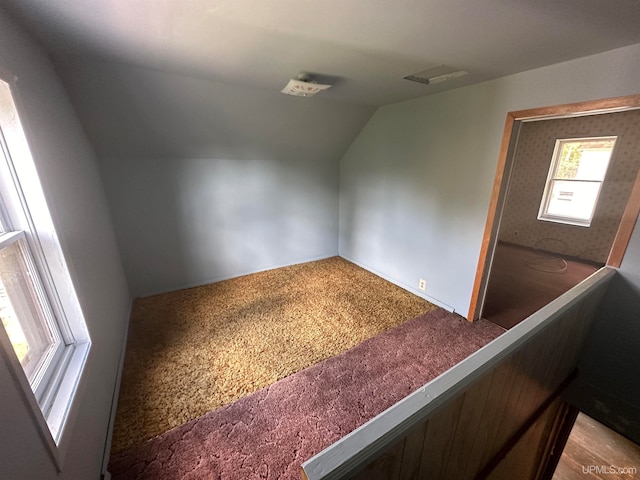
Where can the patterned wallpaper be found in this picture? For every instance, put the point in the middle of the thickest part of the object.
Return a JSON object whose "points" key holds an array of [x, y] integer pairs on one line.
{"points": [[532, 160]]}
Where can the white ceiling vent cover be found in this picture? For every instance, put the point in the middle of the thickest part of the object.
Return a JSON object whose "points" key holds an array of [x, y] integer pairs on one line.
{"points": [[437, 74], [303, 86]]}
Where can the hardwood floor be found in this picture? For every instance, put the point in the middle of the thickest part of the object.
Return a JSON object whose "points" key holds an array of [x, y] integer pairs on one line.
{"points": [[597, 452], [523, 280]]}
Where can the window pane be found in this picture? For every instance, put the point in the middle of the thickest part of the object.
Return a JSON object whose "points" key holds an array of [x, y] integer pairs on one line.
{"points": [[32, 336], [584, 159], [574, 200]]}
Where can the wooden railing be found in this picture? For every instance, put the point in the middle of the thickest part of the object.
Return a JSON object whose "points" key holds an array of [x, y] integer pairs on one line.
{"points": [[490, 416]]}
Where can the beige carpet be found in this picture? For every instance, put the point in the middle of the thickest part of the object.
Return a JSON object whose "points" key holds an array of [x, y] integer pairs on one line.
{"points": [[194, 350]]}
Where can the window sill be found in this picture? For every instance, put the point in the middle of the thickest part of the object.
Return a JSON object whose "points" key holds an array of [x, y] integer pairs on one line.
{"points": [[565, 221], [70, 378], [56, 422], [63, 408]]}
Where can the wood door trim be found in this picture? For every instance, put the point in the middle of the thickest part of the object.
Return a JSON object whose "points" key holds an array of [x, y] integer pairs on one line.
{"points": [[627, 224], [479, 281]]}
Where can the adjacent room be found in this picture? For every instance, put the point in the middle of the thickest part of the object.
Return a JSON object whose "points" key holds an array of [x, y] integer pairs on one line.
{"points": [[249, 228], [568, 188]]}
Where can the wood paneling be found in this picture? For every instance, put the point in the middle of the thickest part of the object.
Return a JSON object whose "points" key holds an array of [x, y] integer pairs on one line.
{"points": [[438, 443], [501, 415], [526, 459], [413, 451]]}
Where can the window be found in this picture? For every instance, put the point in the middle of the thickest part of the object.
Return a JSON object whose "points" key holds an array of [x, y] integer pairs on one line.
{"points": [[26, 315], [44, 338], [578, 168]]}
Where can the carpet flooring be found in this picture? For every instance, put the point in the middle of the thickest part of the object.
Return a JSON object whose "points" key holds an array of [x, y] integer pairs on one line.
{"points": [[270, 433], [195, 350]]}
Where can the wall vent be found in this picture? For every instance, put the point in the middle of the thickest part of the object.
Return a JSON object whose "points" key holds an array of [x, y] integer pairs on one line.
{"points": [[436, 74]]}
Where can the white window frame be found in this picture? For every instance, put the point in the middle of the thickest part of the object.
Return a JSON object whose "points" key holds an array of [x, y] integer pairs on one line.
{"points": [[551, 177], [36, 296], [24, 211]]}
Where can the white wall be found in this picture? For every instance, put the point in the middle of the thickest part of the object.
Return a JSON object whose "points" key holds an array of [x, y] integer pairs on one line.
{"points": [[209, 181], [415, 189], [73, 189], [415, 184]]}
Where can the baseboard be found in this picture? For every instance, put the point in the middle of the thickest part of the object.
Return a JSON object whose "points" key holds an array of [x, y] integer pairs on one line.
{"points": [[229, 277], [114, 401], [402, 285]]}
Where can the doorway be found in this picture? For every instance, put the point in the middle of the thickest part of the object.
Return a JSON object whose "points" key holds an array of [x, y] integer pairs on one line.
{"points": [[519, 248]]}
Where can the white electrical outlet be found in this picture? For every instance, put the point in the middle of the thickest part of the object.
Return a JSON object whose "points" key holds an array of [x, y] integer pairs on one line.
{"points": [[422, 284]]}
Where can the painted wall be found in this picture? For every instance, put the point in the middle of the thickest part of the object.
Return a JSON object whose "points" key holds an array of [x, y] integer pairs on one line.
{"points": [[416, 183], [74, 192], [536, 142], [209, 181], [608, 387]]}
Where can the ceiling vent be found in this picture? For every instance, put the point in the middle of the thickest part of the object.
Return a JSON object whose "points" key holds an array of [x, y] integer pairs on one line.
{"points": [[303, 86], [437, 74]]}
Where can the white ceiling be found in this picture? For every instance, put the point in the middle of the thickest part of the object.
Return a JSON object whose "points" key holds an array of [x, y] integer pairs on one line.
{"points": [[363, 47]]}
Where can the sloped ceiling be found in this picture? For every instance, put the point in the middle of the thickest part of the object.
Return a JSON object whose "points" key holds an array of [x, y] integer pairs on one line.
{"points": [[364, 47]]}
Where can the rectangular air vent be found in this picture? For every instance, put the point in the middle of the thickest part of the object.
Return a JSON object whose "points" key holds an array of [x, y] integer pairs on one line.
{"points": [[436, 74]]}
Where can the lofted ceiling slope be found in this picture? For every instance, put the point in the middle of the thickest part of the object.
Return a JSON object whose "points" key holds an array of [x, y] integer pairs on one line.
{"points": [[363, 47]]}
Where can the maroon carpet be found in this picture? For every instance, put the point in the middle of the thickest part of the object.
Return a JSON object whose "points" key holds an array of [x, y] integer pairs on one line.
{"points": [[270, 433]]}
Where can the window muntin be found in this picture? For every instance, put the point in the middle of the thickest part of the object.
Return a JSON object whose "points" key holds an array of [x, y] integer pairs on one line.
{"points": [[575, 178]]}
